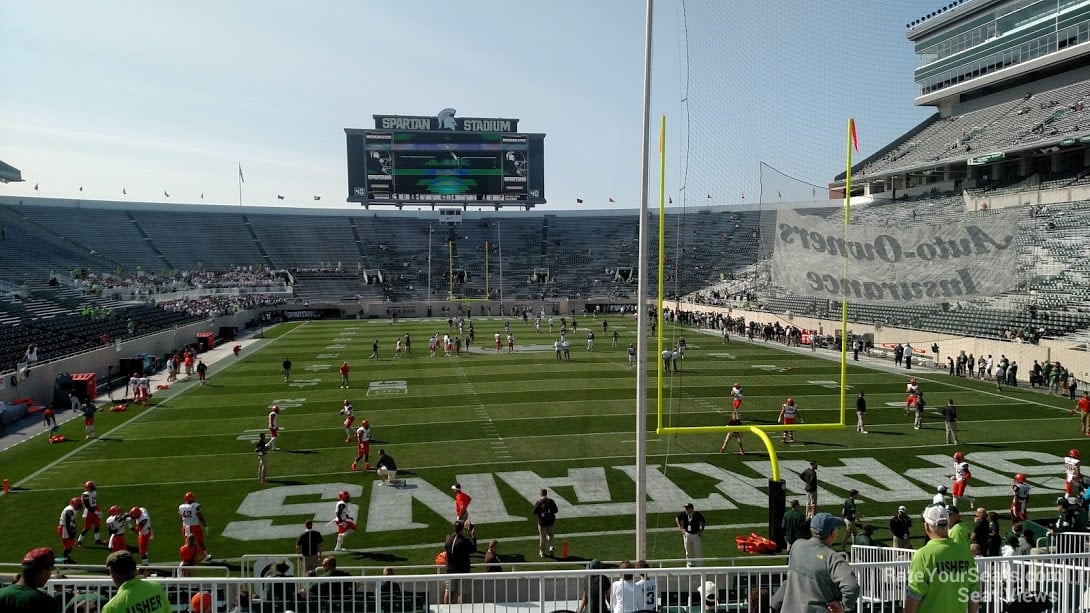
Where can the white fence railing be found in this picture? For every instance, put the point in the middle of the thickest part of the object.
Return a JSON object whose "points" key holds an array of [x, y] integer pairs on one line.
{"points": [[1063, 577]]}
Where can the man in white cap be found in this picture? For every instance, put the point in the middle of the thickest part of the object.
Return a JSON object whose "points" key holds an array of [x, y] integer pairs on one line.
{"points": [[819, 579], [942, 574]]}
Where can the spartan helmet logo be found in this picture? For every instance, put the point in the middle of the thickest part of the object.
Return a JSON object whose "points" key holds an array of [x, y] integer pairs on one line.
{"points": [[446, 119], [516, 163], [381, 162]]}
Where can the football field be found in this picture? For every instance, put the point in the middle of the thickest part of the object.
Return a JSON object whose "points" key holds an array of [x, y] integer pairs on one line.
{"points": [[505, 424]]}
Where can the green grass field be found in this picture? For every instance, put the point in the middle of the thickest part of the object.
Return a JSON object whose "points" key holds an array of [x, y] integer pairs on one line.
{"points": [[505, 425]]}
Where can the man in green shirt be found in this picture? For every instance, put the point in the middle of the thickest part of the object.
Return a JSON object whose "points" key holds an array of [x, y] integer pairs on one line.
{"points": [[25, 595], [794, 525], [942, 576], [849, 514], [133, 593], [958, 532]]}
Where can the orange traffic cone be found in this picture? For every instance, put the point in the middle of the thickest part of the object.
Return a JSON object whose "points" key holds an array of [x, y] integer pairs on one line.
{"points": [[564, 550], [7, 486]]}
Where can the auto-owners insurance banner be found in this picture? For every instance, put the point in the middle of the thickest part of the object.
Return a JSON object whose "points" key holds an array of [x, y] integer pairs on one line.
{"points": [[895, 265]]}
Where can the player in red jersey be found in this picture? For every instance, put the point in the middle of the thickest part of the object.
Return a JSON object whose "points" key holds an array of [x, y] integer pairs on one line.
{"points": [[344, 370]]}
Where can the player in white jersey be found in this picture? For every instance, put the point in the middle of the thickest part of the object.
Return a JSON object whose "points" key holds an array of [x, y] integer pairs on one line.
{"points": [[117, 523], [193, 521], [1020, 501], [735, 419], [92, 516], [961, 477], [1073, 473], [647, 593], [145, 388], [789, 413], [346, 524], [349, 419], [363, 446], [736, 401], [66, 527], [274, 426], [141, 525]]}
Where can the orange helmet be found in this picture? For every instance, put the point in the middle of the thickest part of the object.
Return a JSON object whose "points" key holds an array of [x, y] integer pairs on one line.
{"points": [[791, 401], [912, 381], [736, 384], [347, 402], [1020, 478], [76, 503], [88, 486], [344, 496], [276, 408], [365, 424], [135, 512], [115, 510], [189, 497], [1074, 453], [958, 456]]}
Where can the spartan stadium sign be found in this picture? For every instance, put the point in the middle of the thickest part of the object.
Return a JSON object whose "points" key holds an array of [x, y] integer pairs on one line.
{"points": [[445, 120], [959, 260]]}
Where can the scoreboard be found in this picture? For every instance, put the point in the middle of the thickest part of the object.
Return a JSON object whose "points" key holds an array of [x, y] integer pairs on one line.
{"points": [[399, 167]]}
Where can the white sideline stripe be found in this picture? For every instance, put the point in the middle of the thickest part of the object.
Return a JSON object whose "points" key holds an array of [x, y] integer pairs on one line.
{"points": [[491, 464], [651, 438], [65, 457]]}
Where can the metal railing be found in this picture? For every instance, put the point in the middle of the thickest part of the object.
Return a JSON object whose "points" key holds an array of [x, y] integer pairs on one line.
{"points": [[1064, 578]]}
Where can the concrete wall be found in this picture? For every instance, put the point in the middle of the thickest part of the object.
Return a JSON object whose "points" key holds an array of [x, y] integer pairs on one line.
{"points": [[105, 360]]}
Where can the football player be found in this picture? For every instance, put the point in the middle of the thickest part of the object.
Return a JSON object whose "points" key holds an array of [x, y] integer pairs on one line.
{"points": [[961, 477], [117, 522], [363, 446], [274, 426], [193, 521], [1073, 473], [1020, 501], [345, 523], [349, 419], [141, 525], [92, 515], [66, 527]]}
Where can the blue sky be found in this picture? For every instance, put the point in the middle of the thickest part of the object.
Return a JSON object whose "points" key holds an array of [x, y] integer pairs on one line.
{"points": [[154, 96]]}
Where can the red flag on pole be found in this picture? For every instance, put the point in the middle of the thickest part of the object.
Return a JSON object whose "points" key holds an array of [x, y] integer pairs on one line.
{"points": [[855, 137]]}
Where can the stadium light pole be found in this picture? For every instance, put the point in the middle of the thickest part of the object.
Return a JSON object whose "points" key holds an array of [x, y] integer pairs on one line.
{"points": [[499, 245], [641, 303], [429, 263]]}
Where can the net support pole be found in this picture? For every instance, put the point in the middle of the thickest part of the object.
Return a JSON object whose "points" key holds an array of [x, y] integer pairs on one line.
{"points": [[641, 303], [844, 337], [777, 490]]}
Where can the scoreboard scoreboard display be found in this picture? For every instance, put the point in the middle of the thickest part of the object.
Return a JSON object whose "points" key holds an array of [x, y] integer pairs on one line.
{"points": [[398, 167]]}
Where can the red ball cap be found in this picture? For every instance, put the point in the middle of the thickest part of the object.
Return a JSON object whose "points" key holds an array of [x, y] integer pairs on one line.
{"points": [[41, 557]]}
